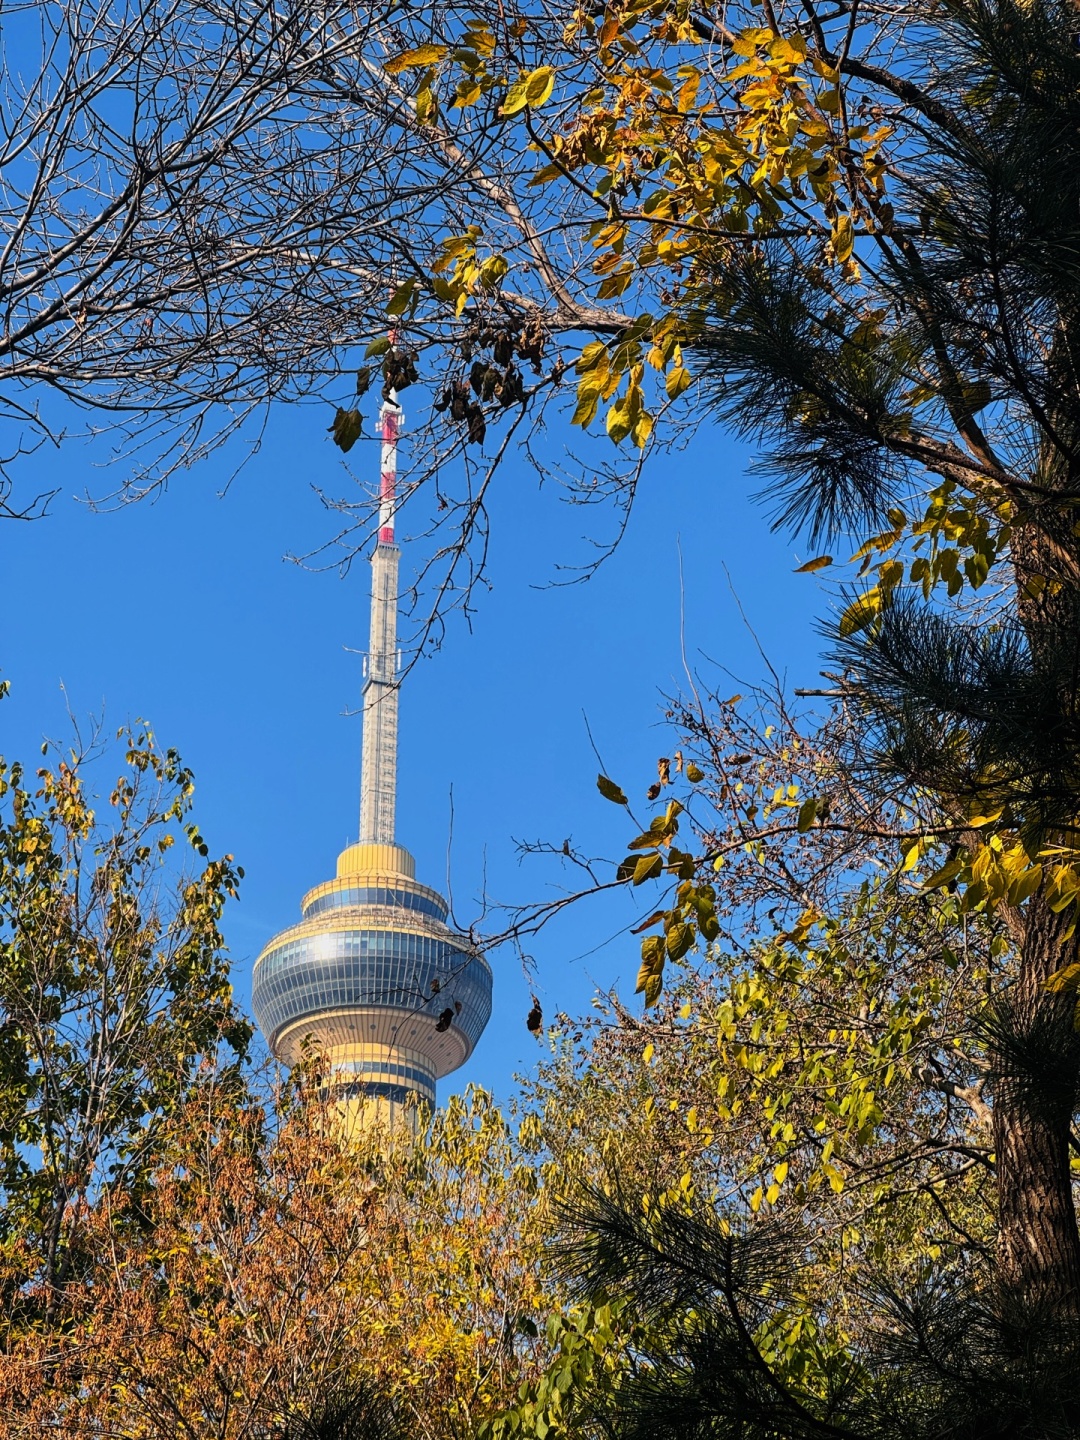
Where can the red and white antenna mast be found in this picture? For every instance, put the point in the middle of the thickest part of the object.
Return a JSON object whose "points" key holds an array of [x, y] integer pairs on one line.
{"points": [[390, 417]]}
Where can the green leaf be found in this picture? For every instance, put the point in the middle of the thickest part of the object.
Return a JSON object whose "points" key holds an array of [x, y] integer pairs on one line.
{"points": [[610, 790], [346, 428], [652, 951], [650, 977], [399, 301], [807, 815], [377, 347], [678, 940]]}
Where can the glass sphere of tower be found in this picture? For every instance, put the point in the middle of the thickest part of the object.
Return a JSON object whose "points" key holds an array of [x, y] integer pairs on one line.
{"points": [[373, 979]]}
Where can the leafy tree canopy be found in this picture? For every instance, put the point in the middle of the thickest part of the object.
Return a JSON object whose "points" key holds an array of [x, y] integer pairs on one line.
{"points": [[114, 991]]}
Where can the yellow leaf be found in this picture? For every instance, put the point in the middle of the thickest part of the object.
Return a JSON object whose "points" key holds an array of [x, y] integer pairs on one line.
{"points": [[843, 237], [539, 86], [618, 422], [678, 380], [1068, 978], [948, 871], [819, 563], [492, 271], [410, 59], [532, 89], [829, 101], [648, 1053], [588, 398], [592, 355], [1026, 885], [641, 429], [807, 815], [790, 52], [860, 612], [515, 98], [646, 867], [467, 93]]}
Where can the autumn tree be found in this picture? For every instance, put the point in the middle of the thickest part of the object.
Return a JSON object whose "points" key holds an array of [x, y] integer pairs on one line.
{"points": [[280, 1278], [114, 990], [780, 1180]]}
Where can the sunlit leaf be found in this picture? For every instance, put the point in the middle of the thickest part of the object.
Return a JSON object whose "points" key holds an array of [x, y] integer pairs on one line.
{"points": [[411, 59]]}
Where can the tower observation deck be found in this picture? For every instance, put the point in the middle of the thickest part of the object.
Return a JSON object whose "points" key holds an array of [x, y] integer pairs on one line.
{"points": [[372, 977]]}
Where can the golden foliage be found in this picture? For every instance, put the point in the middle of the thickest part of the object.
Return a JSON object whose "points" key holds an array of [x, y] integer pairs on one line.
{"points": [[261, 1268]]}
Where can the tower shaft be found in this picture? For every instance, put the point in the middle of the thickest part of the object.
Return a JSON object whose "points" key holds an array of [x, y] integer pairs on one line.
{"points": [[378, 780]]}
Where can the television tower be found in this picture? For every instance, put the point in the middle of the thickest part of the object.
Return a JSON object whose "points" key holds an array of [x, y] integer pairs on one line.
{"points": [[372, 977]]}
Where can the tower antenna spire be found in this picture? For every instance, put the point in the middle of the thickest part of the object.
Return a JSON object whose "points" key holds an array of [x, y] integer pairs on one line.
{"points": [[378, 773]]}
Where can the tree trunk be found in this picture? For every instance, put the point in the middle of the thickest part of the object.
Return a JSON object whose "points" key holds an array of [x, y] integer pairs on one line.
{"points": [[1038, 1065]]}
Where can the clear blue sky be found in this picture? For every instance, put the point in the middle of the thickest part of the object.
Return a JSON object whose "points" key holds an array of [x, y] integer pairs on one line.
{"points": [[184, 612]]}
